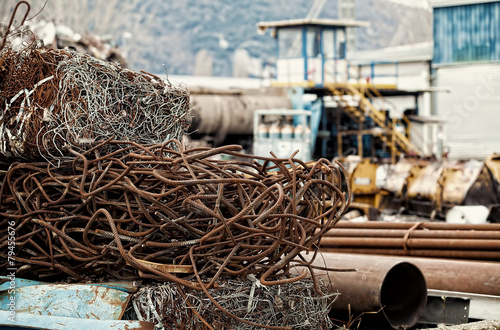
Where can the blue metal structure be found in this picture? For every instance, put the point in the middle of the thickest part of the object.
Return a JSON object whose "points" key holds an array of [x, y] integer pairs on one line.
{"points": [[316, 45], [467, 33]]}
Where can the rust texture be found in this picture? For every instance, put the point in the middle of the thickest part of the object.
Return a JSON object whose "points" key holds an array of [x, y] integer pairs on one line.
{"points": [[54, 100], [425, 239], [101, 216]]}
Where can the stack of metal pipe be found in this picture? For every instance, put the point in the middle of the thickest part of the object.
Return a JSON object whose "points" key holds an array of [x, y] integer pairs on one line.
{"points": [[422, 239]]}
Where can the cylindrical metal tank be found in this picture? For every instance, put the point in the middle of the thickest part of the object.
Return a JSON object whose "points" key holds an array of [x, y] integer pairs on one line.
{"points": [[222, 114]]}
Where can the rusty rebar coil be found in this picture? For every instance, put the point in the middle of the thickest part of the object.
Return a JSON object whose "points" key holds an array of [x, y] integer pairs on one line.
{"points": [[127, 213]]}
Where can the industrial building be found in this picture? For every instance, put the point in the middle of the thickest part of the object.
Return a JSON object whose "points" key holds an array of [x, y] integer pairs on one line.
{"points": [[466, 60]]}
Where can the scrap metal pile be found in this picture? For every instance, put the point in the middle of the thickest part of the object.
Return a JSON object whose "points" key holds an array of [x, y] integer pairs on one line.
{"points": [[247, 299], [54, 100], [105, 190], [148, 212], [117, 213]]}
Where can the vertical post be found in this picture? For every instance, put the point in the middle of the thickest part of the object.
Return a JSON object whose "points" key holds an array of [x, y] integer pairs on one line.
{"points": [[277, 52], [335, 56], [324, 127], [304, 51], [322, 54], [393, 141], [397, 73], [372, 65], [360, 140], [339, 135]]}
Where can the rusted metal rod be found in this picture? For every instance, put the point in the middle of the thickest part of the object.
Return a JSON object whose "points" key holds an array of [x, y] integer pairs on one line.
{"points": [[425, 239], [389, 233], [163, 205], [411, 243], [421, 225], [452, 254]]}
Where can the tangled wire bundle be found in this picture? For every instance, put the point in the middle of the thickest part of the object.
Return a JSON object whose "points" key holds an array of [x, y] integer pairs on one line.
{"points": [[128, 213], [296, 305], [56, 100]]}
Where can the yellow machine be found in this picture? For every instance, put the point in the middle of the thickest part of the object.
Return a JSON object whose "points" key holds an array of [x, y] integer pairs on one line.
{"points": [[426, 188]]}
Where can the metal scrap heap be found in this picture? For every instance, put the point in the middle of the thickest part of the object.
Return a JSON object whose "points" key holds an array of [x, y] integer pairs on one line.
{"points": [[166, 213], [97, 187], [56, 100], [121, 213]]}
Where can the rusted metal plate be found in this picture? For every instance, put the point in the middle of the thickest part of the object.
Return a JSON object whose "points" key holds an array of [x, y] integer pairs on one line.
{"points": [[482, 191], [129, 287], [69, 300], [31, 321], [125, 286], [185, 269]]}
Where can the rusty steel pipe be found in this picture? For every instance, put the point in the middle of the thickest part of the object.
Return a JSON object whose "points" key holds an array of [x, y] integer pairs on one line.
{"points": [[467, 234], [451, 254], [444, 274], [411, 243], [421, 225], [397, 288]]}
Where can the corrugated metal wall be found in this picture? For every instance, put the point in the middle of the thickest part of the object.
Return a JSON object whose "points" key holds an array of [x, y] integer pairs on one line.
{"points": [[471, 109], [467, 33]]}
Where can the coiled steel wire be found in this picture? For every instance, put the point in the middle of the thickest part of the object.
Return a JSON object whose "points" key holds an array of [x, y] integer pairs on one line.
{"points": [[52, 100]]}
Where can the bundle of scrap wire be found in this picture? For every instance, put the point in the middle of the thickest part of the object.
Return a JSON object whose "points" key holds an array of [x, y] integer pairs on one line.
{"points": [[56, 100], [294, 305], [152, 211]]}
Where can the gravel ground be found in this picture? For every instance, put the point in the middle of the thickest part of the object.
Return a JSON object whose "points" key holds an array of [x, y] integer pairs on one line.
{"points": [[481, 325]]}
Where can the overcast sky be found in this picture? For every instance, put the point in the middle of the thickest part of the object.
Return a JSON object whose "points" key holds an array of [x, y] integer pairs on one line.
{"points": [[414, 3]]}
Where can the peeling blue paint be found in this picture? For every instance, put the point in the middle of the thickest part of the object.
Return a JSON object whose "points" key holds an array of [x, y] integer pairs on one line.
{"points": [[30, 321], [69, 300]]}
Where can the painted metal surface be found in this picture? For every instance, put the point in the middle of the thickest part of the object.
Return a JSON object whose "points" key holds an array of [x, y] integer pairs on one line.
{"points": [[468, 33], [69, 300], [470, 108], [31, 321], [482, 307], [19, 282], [424, 183], [396, 180], [125, 286], [493, 164]]}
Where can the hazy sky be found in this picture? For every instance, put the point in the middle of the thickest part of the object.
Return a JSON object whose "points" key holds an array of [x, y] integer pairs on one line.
{"points": [[414, 3]]}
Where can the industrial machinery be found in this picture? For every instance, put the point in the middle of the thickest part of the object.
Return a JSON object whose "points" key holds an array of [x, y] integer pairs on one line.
{"points": [[429, 188], [283, 132], [399, 165]]}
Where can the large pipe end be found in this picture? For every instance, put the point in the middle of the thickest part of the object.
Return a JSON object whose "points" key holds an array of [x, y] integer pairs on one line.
{"points": [[403, 295]]}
